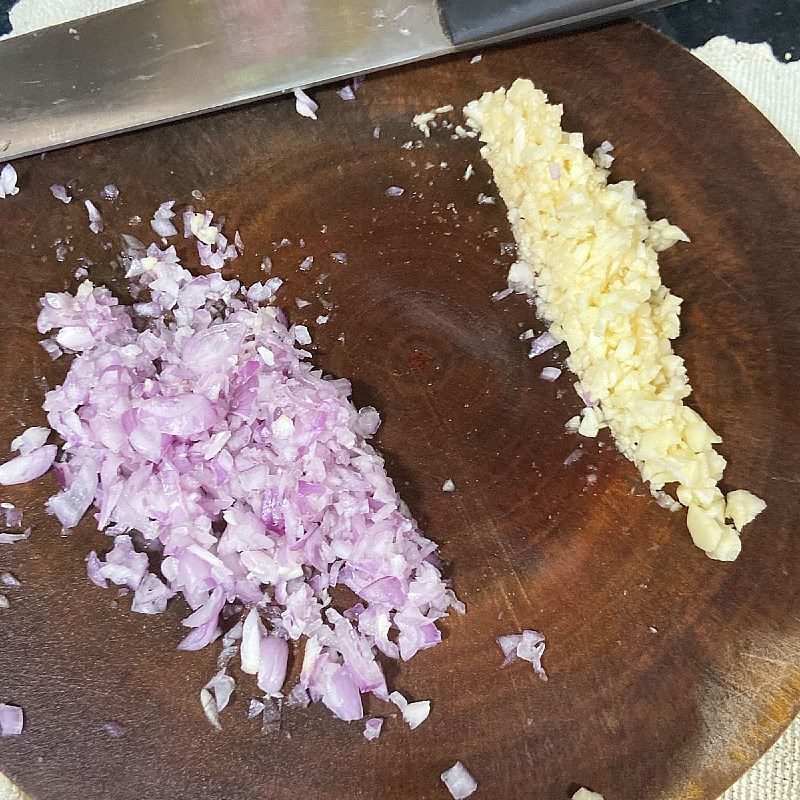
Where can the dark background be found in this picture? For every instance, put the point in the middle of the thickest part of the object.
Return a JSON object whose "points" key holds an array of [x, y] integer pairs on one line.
{"points": [[693, 22]]}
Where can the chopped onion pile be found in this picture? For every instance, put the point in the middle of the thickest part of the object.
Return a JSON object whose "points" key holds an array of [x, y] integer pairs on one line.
{"points": [[196, 426], [529, 646]]}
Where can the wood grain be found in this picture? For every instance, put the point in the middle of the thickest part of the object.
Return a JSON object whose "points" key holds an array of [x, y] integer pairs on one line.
{"points": [[635, 714]]}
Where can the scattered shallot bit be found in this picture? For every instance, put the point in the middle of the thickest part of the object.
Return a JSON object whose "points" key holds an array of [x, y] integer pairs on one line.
{"points": [[304, 105], [394, 191], [528, 645], [4, 604], [254, 709], [162, 220], [541, 344], [550, 374], [11, 538], [27, 466], [96, 223], [11, 720], [340, 258], [448, 486], [372, 728], [468, 172], [215, 695], [271, 715], [60, 193], [109, 192], [7, 579], [573, 457], [413, 713], [11, 514], [501, 295], [307, 263], [475, 59], [486, 199], [8, 182], [209, 705], [115, 730], [346, 92], [458, 781]]}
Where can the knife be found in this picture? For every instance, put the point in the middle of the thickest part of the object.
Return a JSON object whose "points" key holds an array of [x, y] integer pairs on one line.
{"points": [[161, 60]]}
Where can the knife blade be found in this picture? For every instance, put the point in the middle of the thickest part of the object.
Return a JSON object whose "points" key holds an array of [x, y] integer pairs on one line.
{"points": [[161, 60]]}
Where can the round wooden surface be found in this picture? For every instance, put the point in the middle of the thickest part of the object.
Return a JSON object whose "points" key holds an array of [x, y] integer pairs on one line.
{"points": [[669, 673]]}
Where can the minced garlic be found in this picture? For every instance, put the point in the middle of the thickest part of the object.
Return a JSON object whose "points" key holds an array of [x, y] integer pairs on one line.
{"points": [[585, 794], [587, 253]]}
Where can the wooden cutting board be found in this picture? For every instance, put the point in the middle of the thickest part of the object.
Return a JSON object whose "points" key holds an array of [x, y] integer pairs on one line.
{"points": [[669, 673]]}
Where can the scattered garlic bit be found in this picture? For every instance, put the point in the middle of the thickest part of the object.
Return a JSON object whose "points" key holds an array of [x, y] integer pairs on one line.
{"points": [[585, 794], [460, 132], [448, 486], [427, 120], [596, 282], [602, 155]]}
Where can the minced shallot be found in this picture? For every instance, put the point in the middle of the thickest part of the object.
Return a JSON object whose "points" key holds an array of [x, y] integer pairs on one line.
{"points": [[207, 443]]}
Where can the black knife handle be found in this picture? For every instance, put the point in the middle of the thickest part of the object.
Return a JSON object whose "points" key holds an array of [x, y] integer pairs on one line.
{"points": [[474, 20]]}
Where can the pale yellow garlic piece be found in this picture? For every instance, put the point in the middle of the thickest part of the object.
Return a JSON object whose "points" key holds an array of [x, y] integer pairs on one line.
{"points": [[729, 546], [588, 254], [706, 531], [743, 507]]}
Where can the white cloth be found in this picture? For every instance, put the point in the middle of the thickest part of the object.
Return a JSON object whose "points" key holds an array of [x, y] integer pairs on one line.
{"points": [[774, 88], [770, 85]]}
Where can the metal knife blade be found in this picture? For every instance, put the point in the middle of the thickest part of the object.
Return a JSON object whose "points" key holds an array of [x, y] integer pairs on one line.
{"points": [[160, 60]]}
